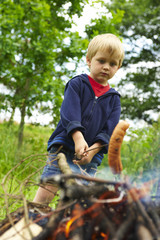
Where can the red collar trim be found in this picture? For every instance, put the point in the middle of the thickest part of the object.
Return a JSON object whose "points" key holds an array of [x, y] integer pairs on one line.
{"points": [[98, 89]]}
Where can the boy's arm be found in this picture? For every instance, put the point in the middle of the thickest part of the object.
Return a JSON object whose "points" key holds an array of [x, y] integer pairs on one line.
{"points": [[71, 108]]}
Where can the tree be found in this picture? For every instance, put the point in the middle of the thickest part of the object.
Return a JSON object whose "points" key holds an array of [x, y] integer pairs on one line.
{"points": [[140, 29], [33, 43]]}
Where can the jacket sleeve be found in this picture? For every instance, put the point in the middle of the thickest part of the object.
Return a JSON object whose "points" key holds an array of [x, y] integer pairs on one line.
{"points": [[71, 107], [112, 121]]}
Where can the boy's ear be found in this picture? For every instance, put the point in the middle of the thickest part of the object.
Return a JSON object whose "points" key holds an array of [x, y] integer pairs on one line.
{"points": [[88, 61]]}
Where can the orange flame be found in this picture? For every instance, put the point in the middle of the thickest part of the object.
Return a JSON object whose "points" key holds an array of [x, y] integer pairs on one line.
{"points": [[105, 236], [76, 213]]}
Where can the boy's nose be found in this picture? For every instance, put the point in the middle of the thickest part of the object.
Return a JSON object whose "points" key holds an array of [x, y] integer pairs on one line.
{"points": [[106, 66]]}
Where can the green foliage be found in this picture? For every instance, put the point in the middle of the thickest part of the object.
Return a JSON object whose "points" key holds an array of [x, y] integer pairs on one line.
{"points": [[33, 46], [35, 142], [104, 24], [21, 169], [140, 155], [8, 140], [140, 29], [142, 152]]}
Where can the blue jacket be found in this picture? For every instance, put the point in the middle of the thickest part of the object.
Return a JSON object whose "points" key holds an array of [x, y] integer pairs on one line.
{"points": [[95, 117]]}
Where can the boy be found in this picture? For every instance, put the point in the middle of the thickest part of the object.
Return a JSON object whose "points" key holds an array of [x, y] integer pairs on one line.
{"points": [[89, 113]]}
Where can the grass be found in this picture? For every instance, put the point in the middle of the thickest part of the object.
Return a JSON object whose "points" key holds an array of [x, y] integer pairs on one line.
{"points": [[20, 170]]}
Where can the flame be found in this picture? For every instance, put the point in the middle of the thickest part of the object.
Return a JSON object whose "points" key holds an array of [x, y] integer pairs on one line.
{"points": [[105, 236], [77, 212], [68, 225]]}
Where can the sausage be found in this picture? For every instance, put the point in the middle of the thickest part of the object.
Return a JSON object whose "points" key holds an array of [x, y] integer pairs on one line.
{"points": [[114, 149]]}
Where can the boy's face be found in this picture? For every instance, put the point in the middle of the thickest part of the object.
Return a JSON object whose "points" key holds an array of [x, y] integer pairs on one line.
{"points": [[103, 66]]}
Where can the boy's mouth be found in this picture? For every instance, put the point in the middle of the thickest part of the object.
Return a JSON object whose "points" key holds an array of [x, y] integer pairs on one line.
{"points": [[105, 74]]}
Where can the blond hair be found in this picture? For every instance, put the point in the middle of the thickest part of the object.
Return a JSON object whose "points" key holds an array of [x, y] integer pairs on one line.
{"points": [[106, 42]]}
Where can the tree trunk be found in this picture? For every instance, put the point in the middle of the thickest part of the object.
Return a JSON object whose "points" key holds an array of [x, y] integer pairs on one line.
{"points": [[23, 113], [21, 126], [12, 116]]}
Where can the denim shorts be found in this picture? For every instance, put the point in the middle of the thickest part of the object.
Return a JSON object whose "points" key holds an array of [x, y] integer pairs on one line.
{"points": [[52, 168]]}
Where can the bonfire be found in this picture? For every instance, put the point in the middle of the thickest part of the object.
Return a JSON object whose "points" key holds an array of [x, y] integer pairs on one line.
{"points": [[89, 208]]}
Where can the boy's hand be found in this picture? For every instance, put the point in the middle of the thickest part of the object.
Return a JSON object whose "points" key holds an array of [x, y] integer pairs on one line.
{"points": [[81, 145], [80, 148], [87, 156]]}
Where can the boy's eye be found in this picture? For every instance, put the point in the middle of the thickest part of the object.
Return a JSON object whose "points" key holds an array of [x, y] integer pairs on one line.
{"points": [[112, 64], [101, 61]]}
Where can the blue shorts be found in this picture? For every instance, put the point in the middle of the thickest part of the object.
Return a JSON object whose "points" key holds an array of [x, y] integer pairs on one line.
{"points": [[52, 168]]}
